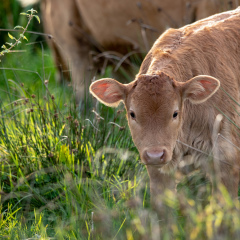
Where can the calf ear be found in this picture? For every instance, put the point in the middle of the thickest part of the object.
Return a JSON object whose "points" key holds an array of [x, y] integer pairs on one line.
{"points": [[108, 91], [200, 88]]}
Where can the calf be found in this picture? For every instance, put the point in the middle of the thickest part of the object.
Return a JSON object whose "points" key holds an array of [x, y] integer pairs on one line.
{"points": [[173, 103]]}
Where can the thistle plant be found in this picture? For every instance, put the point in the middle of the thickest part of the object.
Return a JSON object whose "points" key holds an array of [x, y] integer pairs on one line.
{"points": [[7, 47]]}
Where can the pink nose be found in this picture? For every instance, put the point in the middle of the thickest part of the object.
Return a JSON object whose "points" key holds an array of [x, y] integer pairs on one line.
{"points": [[154, 156]]}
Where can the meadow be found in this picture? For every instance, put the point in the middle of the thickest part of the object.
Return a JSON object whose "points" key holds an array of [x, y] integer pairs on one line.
{"points": [[71, 171]]}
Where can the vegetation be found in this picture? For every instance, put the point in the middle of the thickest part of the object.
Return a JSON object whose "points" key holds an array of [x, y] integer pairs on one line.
{"points": [[71, 171], [7, 47]]}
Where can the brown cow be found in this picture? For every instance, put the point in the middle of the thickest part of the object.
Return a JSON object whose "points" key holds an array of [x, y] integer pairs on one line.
{"points": [[173, 104], [113, 27]]}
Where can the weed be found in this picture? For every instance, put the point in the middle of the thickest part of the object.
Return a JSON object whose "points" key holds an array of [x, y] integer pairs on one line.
{"points": [[11, 45]]}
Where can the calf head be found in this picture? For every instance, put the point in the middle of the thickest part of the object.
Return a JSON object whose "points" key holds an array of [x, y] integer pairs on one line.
{"points": [[154, 105]]}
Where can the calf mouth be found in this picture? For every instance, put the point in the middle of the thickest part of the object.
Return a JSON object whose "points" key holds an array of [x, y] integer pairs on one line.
{"points": [[154, 165]]}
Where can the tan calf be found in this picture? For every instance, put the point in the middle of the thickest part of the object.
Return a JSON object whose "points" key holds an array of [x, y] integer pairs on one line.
{"points": [[189, 76]]}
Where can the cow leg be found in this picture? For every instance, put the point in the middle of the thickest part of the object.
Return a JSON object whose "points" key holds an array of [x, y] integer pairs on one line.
{"points": [[60, 62], [69, 42], [159, 182]]}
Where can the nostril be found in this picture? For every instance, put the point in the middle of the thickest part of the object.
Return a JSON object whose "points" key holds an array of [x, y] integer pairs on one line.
{"points": [[155, 155]]}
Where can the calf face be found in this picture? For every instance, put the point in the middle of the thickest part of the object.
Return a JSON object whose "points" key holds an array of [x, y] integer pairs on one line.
{"points": [[154, 105]]}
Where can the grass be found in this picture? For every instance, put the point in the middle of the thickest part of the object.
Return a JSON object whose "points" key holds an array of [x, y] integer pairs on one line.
{"points": [[68, 172]]}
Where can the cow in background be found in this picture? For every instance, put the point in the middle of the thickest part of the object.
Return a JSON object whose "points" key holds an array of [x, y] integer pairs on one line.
{"points": [[87, 35]]}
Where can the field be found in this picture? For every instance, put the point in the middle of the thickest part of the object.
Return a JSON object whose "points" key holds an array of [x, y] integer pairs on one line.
{"points": [[71, 171]]}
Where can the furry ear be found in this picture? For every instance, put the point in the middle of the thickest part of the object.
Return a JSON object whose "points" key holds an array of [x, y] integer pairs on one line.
{"points": [[200, 88], [108, 91]]}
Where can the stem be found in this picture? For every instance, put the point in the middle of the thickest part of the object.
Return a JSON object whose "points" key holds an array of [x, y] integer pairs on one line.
{"points": [[32, 32], [25, 29]]}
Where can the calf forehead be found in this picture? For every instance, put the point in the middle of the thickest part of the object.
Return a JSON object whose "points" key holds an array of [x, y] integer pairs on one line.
{"points": [[154, 92]]}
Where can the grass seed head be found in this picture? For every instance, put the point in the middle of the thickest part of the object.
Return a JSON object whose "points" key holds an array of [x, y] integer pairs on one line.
{"points": [[30, 110], [122, 128], [76, 123], [69, 118]]}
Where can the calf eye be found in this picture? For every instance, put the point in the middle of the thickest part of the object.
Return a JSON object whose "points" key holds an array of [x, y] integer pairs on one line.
{"points": [[175, 114], [132, 114]]}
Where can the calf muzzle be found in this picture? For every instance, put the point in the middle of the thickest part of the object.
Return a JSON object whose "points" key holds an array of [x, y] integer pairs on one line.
{"points": [[154, 157]]}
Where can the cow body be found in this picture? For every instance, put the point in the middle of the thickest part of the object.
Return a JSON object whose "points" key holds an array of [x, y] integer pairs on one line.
{"points": [[82, 29], [173, 105]]}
